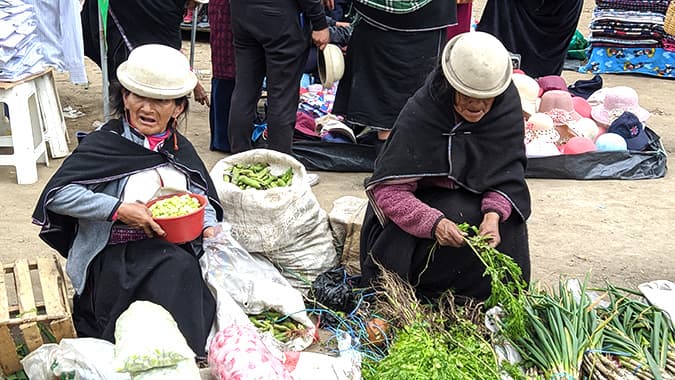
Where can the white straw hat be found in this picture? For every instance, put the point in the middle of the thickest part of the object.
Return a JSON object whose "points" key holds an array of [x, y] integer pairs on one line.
{"points": [[157, 72], [477, 65], [331, 65]]}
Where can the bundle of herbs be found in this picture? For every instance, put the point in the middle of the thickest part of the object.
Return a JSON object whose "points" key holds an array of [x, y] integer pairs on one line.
{"points": [[561, 326], [440, 341], [638, 335]]}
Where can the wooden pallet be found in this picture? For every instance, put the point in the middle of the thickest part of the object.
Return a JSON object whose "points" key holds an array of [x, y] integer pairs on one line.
{"points": [[32, 292]]}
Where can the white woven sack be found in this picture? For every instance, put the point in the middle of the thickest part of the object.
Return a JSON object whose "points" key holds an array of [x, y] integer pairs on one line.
{"points": [[285, 224]]}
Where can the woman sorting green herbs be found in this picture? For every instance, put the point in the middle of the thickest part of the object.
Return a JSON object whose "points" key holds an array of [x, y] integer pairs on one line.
{"points": [[455, 155], [93, 209]]}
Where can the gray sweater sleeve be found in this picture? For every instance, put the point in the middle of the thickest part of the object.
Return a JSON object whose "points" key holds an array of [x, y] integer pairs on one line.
{"points": [[81, 202], [313, 9]]}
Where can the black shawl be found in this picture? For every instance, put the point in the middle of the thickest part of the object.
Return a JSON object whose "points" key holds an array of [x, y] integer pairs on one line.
{"points": [[105, 155], [539, 30], [485, 156]]}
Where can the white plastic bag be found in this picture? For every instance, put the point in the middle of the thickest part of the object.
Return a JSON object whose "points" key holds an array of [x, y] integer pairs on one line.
{"points": [[146, 337], [253, 283], [78, 359], [285, 224], [314, 366], [661, 293], [184, 370]]}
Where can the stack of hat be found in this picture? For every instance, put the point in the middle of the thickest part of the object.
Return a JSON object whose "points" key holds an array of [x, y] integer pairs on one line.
{"points": [[20, 52], [541, 136]]}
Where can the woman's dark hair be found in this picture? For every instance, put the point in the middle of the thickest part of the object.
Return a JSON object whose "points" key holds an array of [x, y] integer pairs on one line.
{"points": [[117, 92], [441, 90]]}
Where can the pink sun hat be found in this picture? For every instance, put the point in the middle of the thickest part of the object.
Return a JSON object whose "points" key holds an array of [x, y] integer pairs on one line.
{"points": [[559, 106], [618, 100]]}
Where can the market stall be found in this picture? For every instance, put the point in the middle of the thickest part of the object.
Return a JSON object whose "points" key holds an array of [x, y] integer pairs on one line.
{"points": [[629, 37]]}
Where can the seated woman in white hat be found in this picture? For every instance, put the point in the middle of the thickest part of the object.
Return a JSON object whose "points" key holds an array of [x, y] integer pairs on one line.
{"points": [[93, 210], [456, 154]]}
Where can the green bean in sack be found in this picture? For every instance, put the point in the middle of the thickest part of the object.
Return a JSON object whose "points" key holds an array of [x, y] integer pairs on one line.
{"points": [[274, 212]]}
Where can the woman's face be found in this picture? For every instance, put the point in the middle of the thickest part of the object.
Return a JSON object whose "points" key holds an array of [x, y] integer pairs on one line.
{"points": [[150, 116], [472, 109]]}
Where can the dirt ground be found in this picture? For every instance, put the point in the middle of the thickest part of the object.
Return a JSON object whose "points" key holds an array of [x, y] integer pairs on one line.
{"points": [[619, 231]]}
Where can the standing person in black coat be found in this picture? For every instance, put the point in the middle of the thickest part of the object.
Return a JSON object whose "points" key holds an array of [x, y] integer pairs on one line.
{"points": [[271, 39], [133, 23], [539, 30]]}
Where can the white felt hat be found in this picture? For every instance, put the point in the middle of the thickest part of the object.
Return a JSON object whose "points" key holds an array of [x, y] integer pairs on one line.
{"points": [[477, 65], [331, 65], [157, 72]]}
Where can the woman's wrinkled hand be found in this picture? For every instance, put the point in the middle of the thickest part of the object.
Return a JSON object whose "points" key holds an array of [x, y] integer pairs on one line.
{"points": [[489, 228], [209, 232], [321, 38], [136, 215], [201, 96], [448, 234]]}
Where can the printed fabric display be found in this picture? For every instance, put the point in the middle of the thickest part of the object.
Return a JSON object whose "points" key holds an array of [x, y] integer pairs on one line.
{"points": [[628, 36]]}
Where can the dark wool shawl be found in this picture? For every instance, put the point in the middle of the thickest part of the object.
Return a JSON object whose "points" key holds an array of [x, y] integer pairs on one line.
{"points": [[539, 30], [105, 155], [485, 156]]}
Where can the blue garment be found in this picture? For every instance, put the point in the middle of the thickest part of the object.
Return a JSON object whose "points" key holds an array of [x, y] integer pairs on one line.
{"points": [[219, 113], [638, 60]]}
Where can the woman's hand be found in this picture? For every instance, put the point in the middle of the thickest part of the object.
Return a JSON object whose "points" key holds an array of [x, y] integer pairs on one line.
{"points": [[201, 96], [489, 228], [448, 234], [321, 38], [136, 215], [209, 232]]}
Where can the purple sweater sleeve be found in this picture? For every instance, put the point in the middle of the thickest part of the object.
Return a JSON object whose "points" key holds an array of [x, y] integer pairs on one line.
{"points": [[399, 204], [493, 201]]}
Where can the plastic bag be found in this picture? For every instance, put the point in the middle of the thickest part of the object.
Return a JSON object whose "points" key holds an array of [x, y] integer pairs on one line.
{"points": [[313, 366], [238, 353], [661, 293], [334, 157], [184, 370], [253, 283], [147, 337], [285, 224], [647, 164], [77, 359], [333, 289]]}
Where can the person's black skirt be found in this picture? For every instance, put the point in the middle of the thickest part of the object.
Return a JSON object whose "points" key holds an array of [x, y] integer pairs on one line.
{"points": [[147, 270], [456, 269], [382, 70]]}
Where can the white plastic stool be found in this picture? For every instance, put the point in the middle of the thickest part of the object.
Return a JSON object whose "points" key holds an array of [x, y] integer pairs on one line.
{"points": [[53, 123], [27, 139]]}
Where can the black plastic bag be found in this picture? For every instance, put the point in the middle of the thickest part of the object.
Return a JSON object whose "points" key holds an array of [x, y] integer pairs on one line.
{"points": [[647, 164], [334, 157]]}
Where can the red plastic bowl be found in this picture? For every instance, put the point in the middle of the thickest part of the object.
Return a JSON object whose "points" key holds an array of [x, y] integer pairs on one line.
{"points": [[184, 228]]}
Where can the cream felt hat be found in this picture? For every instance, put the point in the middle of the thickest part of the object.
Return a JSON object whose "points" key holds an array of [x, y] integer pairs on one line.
{"points": [[528, 89], [331, 65], [477, 65], [157, 72]]}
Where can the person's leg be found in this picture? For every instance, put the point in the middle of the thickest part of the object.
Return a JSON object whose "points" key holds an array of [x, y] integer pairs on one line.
{"points": [[149, 270], [286, 57], [219, 113], [250, 63]]}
